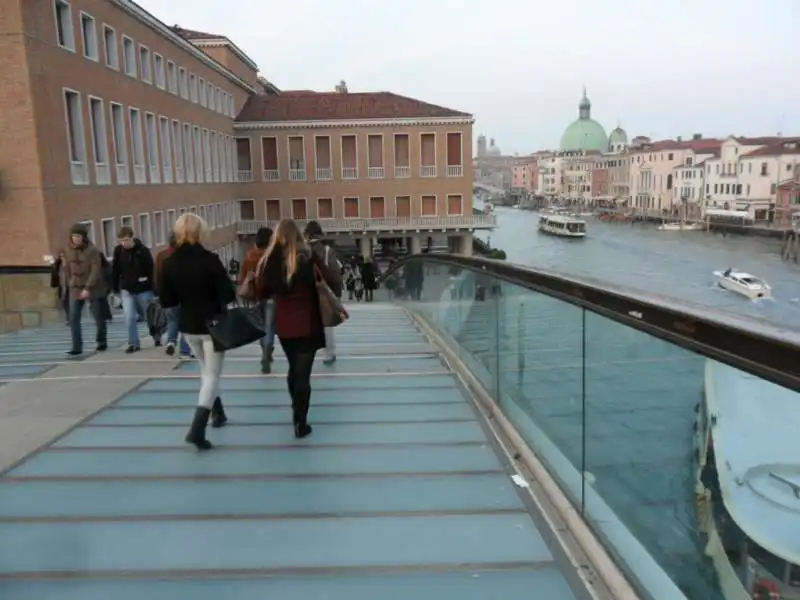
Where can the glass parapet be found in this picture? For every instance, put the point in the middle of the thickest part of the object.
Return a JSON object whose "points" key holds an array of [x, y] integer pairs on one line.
{"points": [[626, 422]]}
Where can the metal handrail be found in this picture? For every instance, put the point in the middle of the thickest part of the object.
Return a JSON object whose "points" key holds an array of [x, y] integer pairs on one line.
{"points": [[752, 345]]}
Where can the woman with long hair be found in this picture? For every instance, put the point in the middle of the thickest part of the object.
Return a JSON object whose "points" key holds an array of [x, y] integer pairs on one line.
{"points": [[194, 279], [288, 272]]}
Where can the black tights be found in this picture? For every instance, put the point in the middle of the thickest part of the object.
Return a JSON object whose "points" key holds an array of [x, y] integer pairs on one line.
{"points": [[298, 380]]}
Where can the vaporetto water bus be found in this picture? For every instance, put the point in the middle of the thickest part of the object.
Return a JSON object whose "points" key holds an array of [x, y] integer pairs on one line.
{"points": [[562, 225], [748, 483]]}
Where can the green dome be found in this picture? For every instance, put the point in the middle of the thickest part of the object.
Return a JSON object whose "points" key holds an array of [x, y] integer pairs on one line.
{"points": [[584, 134]]}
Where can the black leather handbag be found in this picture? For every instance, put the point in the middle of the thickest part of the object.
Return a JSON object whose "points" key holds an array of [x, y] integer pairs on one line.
{"points": [[238, 326]]}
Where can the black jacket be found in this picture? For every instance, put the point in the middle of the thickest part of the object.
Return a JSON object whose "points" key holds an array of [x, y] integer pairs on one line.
{"points": [[132, 269], [195, 279]]}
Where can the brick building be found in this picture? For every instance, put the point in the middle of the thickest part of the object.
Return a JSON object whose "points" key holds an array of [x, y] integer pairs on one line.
{"points": [[110, 117]]}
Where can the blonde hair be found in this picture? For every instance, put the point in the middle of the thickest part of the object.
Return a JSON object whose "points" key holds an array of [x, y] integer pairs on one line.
{"points": [[190, 229], [290, 238]]}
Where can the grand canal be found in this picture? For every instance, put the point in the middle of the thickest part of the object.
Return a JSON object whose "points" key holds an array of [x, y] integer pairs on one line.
{"points": [[640, 392]]}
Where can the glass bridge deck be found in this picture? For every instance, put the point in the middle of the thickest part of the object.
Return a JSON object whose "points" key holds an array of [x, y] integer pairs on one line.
{"points": [[400, 492]]}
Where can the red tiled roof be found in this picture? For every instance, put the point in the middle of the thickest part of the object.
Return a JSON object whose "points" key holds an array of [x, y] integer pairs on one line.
{"points": [[192, 34], [305, 105], [776, 147]]}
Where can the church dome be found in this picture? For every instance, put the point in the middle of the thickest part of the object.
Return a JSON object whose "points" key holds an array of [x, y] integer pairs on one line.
{"points": [[618, 136], [584, 134], [493, 150]]}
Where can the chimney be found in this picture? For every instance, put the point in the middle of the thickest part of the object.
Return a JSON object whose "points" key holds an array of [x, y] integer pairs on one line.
{"points": [[697, 136], [678, 139], [341, 88]]}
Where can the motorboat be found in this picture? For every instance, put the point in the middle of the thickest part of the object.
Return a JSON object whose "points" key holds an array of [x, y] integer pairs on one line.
{"points": [[562, 225], [680, 226], [747, 483], [743, 283]]}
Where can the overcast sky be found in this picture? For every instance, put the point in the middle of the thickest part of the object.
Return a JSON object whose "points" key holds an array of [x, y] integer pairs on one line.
{"points": [[659, 68]]}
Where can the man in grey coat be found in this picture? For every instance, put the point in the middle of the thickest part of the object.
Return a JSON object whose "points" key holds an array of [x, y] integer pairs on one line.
{"points": [[83, 267]]}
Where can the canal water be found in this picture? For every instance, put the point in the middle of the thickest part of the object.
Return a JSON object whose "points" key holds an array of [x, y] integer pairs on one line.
{"points": [[640, 392]]}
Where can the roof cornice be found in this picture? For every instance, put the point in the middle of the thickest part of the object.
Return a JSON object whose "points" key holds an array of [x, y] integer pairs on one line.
{"points": [[237, 52], [153, 23], [352, 123]]}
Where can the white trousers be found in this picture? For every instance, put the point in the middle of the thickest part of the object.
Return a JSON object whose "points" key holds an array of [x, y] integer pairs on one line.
{"points": [[210, 367], [330, 343]]}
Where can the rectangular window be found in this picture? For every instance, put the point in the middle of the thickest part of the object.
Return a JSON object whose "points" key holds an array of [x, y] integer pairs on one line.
{"points": [[202, 86], [188, 156], [97, 123], [171, 218], [129, 56], [214, 157], [109, 229], [110, 47], [90, 230], [212, 216], [193, 87], [119, 142], [137, 143], [183, 83], [161, 77], [219, 101], [232, 108], [172, 77], [198, 155], [152, 147], [145, 233], [145, 64], [203, 212], [159, 229], [177, 147], [166, 148], [210, 91], [89, 37], [75, 137], [207, 155], [65, 31]]}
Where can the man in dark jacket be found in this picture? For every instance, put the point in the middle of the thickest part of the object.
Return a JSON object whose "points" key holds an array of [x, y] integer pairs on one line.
{"points": [[84, 279], [132, 277], [327, 256]]}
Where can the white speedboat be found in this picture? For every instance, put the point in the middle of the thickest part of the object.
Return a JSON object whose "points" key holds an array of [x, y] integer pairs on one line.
{"points": [[747, 482], [680, 226], [743, 283], [562, 225]]}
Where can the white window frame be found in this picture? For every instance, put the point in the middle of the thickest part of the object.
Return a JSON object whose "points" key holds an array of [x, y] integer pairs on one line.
{"points": [[192, 87], [207, 156], [160, 71], [188, 151], [181, 211], [151, 140], [232, 107], [138, 157], [193, 209], [210, 94], [112, 57], [165, 133], [172, 77], [211, 216], [62, 13], [145, 64], [77, 152], [183, 83], [202, 212], [201, 83], [176, 131], [130, 60], [159, 228], [220, 215], [88, 24], [89, 230], [99, 135], [219, 104], [172, 216], [197, 137], [119, 140], [126, 221], [145, 229], [214, 156], [109, 244]]}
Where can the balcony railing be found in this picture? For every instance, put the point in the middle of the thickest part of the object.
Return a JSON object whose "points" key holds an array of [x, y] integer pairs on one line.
{"points": [[324, 174], [388, 224], [297, 174], [244, 176], [272, 175], [427, 171], [375, 172], [455, 170], [402, 172], [349, 173]]}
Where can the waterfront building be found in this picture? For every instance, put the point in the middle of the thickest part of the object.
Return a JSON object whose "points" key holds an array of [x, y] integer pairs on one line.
{"points": [[525, 172], [652, 166], [690, 182], [491, 166], [548, 182], [745, 176], [788, 200], [610, 175], [110, 117]]}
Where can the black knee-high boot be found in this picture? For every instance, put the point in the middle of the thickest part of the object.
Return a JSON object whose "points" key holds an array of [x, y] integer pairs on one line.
{"points": [[197, 430], [300, 402], [218, 416]]}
